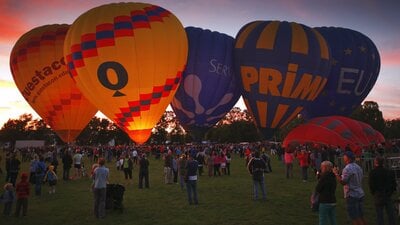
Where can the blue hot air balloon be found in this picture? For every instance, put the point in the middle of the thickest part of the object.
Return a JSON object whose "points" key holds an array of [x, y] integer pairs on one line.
{"points": [[283, 67], [355, 68], [209, 88]]}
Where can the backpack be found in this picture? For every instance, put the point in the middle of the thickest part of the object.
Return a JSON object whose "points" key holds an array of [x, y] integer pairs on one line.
{"points": [[257, 168]]}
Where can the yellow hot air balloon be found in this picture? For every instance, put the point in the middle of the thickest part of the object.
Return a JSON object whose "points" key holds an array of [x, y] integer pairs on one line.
{"points": [[127, 59], [40, 73]]}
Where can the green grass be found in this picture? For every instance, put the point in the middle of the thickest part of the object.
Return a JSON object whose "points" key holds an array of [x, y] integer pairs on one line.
{"points": [[223, 200]]}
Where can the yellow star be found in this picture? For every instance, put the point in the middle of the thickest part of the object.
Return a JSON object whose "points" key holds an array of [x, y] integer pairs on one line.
{"points": [[334, 62], [347, 51], [332, 103], [342, 108], [363, 49]]}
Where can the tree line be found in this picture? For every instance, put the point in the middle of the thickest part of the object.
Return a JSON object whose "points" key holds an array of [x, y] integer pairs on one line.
{"points": [[237, 126]]}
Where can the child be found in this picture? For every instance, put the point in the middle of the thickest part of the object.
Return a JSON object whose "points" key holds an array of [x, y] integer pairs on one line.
{"points": [[51, 177], [8, 198], [22, 190]]}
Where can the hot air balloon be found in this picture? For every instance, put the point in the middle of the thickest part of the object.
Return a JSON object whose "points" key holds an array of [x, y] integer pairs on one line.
{"points": [[283, 66], [40, 73], [335, 130], [354, 71], [209, 87], [127, 59]]}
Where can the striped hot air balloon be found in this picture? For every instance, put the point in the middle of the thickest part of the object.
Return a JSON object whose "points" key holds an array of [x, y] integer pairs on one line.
{"points": [[40, 73], [283, 66], [128, 58]]}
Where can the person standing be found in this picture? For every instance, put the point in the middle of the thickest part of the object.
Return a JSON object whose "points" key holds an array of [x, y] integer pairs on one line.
{"points": [[78, 164], [326, 188], [256, 167], [100, 180], [144, 171], [191, 180], [40, 169], [210, 163], [14, 169], [289, 157], [382, 184], [303, 158], [127, 165], [51, 178], [182, 170], [8, 198], [168, 168], [351, 179], [228, 163], [22, 191], [67, 164], [135, 156]]}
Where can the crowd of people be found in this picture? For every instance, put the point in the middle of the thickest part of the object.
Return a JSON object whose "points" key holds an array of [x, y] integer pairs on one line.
{"points": [[183, 164]]}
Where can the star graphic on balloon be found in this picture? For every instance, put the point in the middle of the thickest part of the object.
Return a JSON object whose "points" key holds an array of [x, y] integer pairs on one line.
{"points": [[363, 49], [334, 62], [348, 51]]}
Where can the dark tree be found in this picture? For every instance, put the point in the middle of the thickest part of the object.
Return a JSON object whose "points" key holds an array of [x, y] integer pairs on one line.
{"points": [[369, 113]]}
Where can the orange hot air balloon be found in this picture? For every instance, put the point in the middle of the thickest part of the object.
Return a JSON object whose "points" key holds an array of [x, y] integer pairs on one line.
{"points": [[127, 59], [40, 73]]}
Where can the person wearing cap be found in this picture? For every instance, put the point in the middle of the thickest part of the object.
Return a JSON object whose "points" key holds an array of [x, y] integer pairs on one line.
{"points": [[382, 184], [351, 179], [22, 191]]}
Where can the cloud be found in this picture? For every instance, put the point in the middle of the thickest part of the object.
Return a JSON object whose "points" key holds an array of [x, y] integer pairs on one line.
{"points": [[390, 57], [7, 84], [386, 95], [12, 25]]}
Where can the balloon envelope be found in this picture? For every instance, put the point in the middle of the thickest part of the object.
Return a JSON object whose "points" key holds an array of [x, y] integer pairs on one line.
{"points": [[127, 58], [335, 130], [40, 73], [209, 88], [283, 66], [355, 69]]}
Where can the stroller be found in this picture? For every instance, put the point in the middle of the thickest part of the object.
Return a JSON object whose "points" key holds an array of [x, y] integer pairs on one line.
{"points": [[115, 196]]}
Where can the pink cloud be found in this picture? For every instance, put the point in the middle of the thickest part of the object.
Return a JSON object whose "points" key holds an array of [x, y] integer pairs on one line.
{"points": [[390, 57], [386, 95], [12, 25]]}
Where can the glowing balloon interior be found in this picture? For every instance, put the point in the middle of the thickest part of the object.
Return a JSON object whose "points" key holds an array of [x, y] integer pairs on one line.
{"points": [[40, 73], [128, 58]]}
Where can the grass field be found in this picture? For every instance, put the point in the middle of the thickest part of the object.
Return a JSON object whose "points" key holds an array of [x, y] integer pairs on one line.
{"points": [[222, 200]]}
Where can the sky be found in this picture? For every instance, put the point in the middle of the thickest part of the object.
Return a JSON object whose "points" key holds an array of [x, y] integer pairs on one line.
{"points": [[377, 19]]}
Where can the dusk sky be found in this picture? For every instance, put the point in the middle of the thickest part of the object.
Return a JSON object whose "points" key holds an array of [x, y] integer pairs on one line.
{"points": [[377, 19]]}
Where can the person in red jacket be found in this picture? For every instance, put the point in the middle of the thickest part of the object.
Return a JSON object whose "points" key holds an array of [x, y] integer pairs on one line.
{"points": [[303, 161], [22, 191]]}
